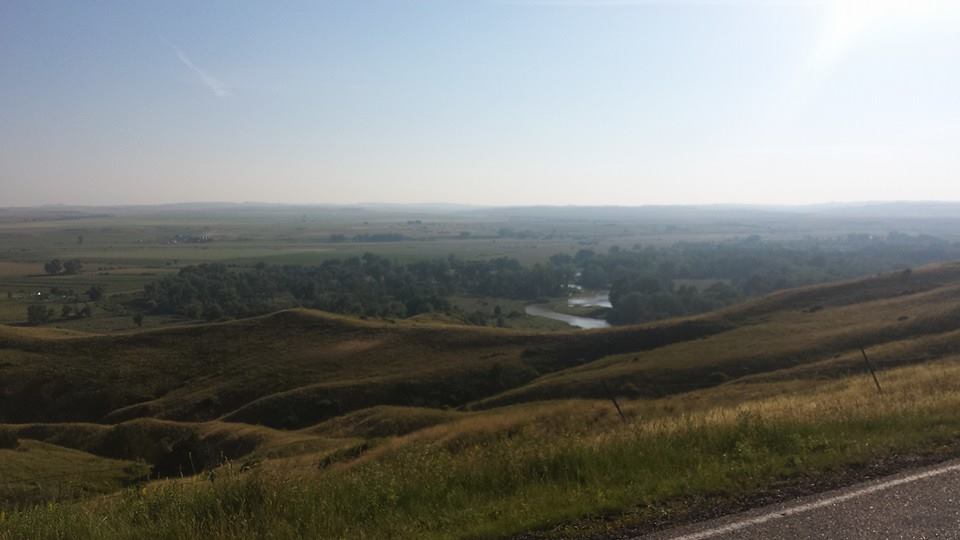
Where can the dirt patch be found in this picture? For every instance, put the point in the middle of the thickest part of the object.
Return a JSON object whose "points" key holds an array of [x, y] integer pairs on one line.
{"points": [[19, 269]]}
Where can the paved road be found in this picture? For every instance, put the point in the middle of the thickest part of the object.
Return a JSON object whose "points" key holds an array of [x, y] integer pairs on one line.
{"points": [[916, 505]]}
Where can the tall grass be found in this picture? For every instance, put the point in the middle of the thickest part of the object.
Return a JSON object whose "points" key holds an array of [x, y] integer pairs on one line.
{"points": [[486, 477]]}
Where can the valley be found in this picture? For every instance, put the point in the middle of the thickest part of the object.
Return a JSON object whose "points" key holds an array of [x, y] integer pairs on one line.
{"points": [[485, 426]]}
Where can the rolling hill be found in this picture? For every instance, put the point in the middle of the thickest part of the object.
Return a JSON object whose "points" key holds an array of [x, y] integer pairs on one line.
{"points": [[319, 394]]}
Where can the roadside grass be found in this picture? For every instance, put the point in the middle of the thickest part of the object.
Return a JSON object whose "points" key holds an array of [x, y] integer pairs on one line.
{"points": [[499, 473]]}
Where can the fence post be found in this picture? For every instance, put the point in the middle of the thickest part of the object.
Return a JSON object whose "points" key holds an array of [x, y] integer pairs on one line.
{"points": [[614, 400], [872, 371]]}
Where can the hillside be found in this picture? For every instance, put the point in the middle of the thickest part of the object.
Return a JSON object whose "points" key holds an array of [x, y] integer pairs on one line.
{"points": [[297, 368], [309, 393], [290, 369]]}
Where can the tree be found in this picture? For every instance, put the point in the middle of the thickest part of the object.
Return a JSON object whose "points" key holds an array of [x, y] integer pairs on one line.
{"points": [[53, 267], [561, 259], [138, 320], [583, 256], [66, 311], [213, 312], [95, 293], [72, 267], [477, 318], [594, 277], [628, 310], [38, 314]]}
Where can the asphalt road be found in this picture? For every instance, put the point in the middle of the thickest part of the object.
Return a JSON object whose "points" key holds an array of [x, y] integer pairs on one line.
{"points": [[915, 505]]}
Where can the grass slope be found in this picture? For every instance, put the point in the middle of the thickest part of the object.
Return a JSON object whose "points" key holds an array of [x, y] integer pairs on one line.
{"points": [[777, 333], [36, 472], [290, 370], [181, 448], [419, 430], [499, 473]]}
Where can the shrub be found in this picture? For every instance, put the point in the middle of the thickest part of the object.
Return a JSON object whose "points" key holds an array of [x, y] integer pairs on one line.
{"points": [[95, 293], [72, 267], [53, 267], [38, 314]]}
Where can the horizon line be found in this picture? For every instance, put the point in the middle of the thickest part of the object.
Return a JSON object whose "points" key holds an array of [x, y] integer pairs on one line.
{"points": [[865, 202]]}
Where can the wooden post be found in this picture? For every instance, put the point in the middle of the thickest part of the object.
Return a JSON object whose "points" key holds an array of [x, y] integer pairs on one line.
{"points": [[614, 400], [872, 371]]}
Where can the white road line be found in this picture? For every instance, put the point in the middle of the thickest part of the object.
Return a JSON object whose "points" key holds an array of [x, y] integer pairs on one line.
{"points": [[740, 525]]}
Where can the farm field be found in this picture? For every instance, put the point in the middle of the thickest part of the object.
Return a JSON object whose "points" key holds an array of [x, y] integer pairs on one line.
{"points": [[123, 249]]}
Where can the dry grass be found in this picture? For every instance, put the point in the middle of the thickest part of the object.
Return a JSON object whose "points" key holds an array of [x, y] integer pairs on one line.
{"points": [[495, 473], [37, 472], [771, 392]]}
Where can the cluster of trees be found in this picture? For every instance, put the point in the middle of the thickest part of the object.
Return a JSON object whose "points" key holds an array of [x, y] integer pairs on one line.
{"points": [[43, 313], [369, 285], [76, 306], [94, 293], [56, 266], [645, 282], [639, 298], [369, 237]]}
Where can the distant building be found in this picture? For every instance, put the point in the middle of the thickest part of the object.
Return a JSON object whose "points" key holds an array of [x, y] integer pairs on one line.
{"points": [[192, 238]]}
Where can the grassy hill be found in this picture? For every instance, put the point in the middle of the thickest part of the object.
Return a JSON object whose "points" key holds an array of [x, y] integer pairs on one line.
{"points": [[290, 369], [36, 472], [316, 425]]}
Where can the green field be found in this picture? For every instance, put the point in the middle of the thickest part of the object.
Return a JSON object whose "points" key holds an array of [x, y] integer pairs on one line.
{"points": [[125, 249], [122, 249]]}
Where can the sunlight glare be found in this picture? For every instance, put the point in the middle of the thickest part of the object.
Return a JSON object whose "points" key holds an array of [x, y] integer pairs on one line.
{"points": [[847, 23]]}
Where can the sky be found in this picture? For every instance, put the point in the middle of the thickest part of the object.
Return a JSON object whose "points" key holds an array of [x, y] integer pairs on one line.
{"points": [[492, 102]]}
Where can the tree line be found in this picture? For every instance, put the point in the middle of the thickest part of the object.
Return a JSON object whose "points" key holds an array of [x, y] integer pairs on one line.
{"points": [[369, 285], [56, 266], [645, 282]]}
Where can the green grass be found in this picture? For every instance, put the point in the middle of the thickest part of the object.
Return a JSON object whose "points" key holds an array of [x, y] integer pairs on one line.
{"points": [[36, 472], [422, 430], [467, 482]]}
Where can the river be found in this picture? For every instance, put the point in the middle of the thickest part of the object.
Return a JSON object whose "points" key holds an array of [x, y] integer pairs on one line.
{"points": [[587, 299]]}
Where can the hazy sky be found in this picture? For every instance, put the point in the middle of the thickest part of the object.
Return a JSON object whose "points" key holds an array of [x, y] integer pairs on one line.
{"points": [[489, 102]]}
